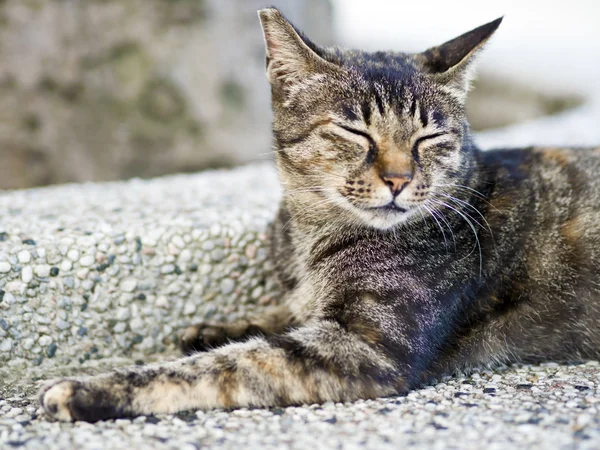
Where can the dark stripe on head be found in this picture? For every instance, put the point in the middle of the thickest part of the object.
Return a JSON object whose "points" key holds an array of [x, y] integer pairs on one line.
{"points": [[379, 102], [366, 112], [413, 106], [423, 117], [349, 113], [399, 100]]}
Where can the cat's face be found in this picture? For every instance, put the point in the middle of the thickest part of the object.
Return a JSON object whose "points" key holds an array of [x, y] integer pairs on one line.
{"points": [[370, 138]]}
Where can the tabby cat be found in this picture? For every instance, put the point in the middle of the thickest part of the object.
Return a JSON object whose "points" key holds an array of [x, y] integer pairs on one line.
{"points": [[405, 252]]}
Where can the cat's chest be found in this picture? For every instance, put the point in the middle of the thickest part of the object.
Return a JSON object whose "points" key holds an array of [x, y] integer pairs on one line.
{"points": [[380, 265]]}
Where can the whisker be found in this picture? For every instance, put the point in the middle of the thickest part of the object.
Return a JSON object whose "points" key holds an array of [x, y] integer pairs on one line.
{"points": [[478, 194], [458, 204], [477, 243], [438, 224], [489, 228], [272, 152], [443, 219]]}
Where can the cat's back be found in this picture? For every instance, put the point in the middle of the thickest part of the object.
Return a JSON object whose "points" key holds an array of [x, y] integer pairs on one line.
{"points": [[551, 174], [546, 203]]}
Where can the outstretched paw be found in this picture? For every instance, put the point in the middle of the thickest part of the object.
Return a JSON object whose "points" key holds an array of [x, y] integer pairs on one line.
{"points": [[55, 397], [69, 400]]}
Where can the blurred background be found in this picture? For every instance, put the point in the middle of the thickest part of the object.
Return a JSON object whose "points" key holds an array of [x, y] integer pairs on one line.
{"points": [[111, 89]]}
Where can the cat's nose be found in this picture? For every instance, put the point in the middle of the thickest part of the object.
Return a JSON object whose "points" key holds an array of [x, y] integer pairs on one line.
{"points": [[396, 181]]}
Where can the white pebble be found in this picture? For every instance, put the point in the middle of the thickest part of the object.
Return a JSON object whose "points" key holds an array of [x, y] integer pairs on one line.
{"points": [[27, 274], [189, 308], [87, 260], [227, 286], [185, 256], [6, 345], [24, 256], [162, 302], [9, 299], [16, 287], [42, 271], [167, 268], [62, 325], [44, 340], [136, 324], [123, 314], [27, 343], [82, 273], [4, 267], [178, 241], [129, 284], [73, 254]]}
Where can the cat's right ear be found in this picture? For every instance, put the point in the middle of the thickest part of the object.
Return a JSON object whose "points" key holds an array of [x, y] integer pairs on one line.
{"points": [[452, 62], [290, 55]]}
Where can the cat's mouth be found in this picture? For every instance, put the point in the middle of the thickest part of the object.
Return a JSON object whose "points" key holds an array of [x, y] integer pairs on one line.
{"points": [[390, 207]]}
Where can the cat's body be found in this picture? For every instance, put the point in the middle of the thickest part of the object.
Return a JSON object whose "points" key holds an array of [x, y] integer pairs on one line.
{"points": [[405, 252]]}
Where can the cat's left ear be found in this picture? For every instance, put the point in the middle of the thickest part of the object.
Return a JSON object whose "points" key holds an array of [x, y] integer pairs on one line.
{"points": [[291, 56], [452, 62]]}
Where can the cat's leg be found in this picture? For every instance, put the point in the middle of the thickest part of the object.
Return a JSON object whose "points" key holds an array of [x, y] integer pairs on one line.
{"points": [[205, 336], [315, 363]]}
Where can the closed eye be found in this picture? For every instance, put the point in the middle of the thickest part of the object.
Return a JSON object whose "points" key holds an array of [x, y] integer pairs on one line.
{"points": [[419, 141], [360, 133], [354, 131]]}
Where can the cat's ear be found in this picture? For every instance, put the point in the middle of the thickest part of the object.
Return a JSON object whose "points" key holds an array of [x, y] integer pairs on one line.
{"points": [[452, 62], [291, 57]]}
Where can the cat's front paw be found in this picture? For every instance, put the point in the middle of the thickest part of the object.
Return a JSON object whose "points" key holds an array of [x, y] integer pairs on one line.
{"points": [[55, 398], [69, 400]]}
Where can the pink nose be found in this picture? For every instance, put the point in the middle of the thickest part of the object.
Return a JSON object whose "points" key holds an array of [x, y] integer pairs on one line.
{"points": [[396, 181]]}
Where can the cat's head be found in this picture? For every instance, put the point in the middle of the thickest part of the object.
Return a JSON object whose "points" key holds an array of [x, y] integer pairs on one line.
{"points": [[370, 137]]}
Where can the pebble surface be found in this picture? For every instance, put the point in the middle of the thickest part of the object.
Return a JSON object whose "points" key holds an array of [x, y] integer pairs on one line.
{"points": [[550, 406], [102, 270]]}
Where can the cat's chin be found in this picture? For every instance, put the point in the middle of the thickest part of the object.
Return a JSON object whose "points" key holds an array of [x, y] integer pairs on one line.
{"points": [[383, 219]]}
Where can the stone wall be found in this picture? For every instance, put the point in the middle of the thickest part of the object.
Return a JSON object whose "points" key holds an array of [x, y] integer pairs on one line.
{"points": [[112, 89]]}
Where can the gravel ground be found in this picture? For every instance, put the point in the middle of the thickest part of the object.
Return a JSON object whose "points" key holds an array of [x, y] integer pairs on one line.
{"points": [[103, 275], [550, 406]]}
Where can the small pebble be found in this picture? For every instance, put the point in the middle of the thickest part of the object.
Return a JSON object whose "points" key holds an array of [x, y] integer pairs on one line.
{"points": [[24, 257], [42, 271], [27, 274], [73, 254], [87, 260]]}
